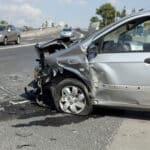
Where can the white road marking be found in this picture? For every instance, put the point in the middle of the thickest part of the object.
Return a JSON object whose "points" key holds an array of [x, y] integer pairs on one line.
{"points": [[30, 39], [18, 102], [17, 46], [2, 109]]}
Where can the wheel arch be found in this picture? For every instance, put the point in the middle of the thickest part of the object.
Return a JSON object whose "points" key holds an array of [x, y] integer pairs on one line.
{"points": [[73, 80], [5, 36], [70, 74]]}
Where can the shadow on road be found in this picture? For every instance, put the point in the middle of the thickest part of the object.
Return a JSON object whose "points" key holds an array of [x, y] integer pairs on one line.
{"points": [[57, 120], [120, 113], [53, 118], [9, 44]]}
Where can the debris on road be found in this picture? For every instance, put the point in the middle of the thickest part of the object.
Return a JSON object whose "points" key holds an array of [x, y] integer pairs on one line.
{"points": [[14, 77], [18, 102], [53, 139], [25, 145], [74, 131], [24, 135]]}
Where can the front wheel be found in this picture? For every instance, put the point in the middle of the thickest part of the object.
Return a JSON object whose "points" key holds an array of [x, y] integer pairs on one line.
{"points": [[71, 96]]}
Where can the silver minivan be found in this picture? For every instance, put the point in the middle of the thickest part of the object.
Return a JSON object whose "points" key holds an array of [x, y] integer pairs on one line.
{"points": [[8, 33]]}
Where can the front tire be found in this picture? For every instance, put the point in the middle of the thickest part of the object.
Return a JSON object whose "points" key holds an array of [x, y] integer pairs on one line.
{"points": [[71, 96]]}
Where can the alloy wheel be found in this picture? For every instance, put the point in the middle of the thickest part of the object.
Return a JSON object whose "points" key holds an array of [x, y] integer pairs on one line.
{"points": [[72, 100]]}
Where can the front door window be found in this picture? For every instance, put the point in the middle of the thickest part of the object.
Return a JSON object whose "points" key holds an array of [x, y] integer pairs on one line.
{"points": [[131, 37]]}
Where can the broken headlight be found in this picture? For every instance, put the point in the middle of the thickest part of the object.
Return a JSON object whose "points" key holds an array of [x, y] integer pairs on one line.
{"points": [[36, 71]]}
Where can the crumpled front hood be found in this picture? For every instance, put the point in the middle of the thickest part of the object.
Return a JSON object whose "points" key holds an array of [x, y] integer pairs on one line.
{"points": [[66, 55], [57, 49], [72, 59], [43, 47]]}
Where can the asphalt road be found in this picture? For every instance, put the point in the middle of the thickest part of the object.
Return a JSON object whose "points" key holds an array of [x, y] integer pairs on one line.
{"points": [[29, 127]]}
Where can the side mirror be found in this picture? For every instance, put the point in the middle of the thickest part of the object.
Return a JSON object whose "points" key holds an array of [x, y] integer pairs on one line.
{"points": [[93, 49]]}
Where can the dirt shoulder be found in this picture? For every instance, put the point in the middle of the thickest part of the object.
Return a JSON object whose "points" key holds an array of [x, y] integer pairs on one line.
{"points": [[134, 134]]}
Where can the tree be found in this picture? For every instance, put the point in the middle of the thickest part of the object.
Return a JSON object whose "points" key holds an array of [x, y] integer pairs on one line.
{"points": [[3, 22], [123, 13], [27, 28], [45, 25], [66, 25], [133, 10], [94, 19], [107, 12]]}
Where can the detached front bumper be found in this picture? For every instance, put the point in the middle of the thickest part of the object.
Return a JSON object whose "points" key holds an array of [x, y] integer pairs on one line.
{"points": [[41, 78], [31, 90]]}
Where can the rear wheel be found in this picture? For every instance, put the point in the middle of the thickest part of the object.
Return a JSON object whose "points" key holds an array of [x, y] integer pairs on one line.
{"points": [[5, 41], [71, 96]]}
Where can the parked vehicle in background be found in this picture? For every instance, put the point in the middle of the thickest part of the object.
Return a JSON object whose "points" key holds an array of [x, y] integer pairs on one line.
{"points": [[67, 32], [9, 33], [111, 67]]}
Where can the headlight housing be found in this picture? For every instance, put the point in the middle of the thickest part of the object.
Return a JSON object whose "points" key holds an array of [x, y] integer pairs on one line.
{"points": [[36, 74], [36, 71]]}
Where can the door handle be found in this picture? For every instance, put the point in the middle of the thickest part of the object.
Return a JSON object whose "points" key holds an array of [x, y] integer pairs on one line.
{"points": [[147, 61]]}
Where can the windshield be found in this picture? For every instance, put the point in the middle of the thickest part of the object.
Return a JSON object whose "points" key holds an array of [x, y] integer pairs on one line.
{"points": [[89, 37], [2, 28], [67, 30]]}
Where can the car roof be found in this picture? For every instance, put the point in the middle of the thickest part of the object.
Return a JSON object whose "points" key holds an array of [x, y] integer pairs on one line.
{"points": [[134, 15]]}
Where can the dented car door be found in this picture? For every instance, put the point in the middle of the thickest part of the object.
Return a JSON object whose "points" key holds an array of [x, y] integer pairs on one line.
{"points": [[122, 79], [121, 70]]}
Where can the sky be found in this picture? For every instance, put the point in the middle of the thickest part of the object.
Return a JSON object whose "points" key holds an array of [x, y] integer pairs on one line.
{"points": [[76, 13]]}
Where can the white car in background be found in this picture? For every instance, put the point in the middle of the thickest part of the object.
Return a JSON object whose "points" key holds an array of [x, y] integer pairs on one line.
{"points": [[67, 32]]}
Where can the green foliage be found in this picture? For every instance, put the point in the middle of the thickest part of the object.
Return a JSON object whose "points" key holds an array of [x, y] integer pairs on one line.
{"points": [[107, 13], [27, 28], [94, 19], [3, 22], [45, 25], [123, 13], [66, 26]]}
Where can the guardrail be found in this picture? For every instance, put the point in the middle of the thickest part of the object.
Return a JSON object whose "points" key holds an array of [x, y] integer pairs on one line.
{"points": [[40, 32]]}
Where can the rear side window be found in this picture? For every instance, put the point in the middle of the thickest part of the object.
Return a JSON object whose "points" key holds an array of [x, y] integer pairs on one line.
{"points": [[2, 28]]}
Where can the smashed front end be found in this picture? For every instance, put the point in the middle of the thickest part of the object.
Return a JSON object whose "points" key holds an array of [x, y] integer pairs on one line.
{"points": [[59, 59]]}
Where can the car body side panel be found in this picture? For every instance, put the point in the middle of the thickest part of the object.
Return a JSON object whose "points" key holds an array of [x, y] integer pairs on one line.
{"points": [[111, 77], [122, 77]]}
